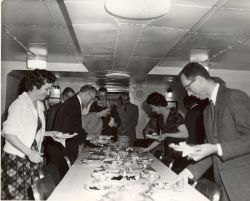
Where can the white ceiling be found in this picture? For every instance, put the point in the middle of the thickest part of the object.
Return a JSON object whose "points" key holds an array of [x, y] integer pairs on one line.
{"points": [[81, 31]]}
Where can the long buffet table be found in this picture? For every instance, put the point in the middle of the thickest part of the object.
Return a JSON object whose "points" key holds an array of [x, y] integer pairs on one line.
{"points": [[73, 185]]}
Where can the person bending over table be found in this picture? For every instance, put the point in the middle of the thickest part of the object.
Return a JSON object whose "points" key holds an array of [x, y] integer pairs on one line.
{"points": [[227, 127], [69, 120], [171, 124]]}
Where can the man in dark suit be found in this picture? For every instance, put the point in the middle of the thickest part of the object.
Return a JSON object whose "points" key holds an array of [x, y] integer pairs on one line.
{"points": [[129, 115], [53, 150], [69, 119], [227, 126], [51, 114]]}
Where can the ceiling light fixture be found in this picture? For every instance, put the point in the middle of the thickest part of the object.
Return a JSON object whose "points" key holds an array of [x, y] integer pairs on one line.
{"points": [[117, 75], [38, 62], [200, 56], [169, 93], [55, 92], [138, 9]]}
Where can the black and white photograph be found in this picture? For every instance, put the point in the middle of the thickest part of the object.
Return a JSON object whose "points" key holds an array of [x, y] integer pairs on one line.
{"points": [[125, 100]]}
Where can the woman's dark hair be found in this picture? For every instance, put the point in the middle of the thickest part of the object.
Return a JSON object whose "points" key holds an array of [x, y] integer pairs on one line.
{"points": [[22, 85], [38, 78], [157, 99], [193, 69]]}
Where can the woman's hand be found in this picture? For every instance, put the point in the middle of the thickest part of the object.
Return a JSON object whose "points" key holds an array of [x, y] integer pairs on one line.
{"points": [[144, 150], [35, 156], [153, 136]]}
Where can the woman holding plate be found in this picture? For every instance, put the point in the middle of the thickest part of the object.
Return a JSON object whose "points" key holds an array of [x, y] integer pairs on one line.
{"points": [[171, 123], [24, 131]]}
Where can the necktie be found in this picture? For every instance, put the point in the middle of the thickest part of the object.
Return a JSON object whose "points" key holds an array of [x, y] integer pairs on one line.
{"points": [[125, 107]]}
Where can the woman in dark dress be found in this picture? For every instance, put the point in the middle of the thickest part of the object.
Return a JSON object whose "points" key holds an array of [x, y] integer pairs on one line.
{"points": [[171, 123]]}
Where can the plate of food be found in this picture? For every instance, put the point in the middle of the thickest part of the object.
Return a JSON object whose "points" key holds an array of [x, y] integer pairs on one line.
{"points": [[97, 186], [161, 185]]}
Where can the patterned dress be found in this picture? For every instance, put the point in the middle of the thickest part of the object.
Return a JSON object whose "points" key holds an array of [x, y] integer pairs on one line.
{"points": [[171, 125], [18, 174]]}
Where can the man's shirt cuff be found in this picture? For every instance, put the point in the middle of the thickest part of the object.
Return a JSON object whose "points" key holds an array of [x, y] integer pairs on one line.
{"points": [[190, 175], [219, 150]]}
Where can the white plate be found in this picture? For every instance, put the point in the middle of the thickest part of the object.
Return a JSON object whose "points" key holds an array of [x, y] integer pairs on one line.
{"points": [[185, 149], [65, 136], [105, 137], [154, 136], [181, 148]]}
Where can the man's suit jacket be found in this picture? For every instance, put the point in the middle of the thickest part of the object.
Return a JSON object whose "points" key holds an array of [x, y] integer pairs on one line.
{"points": [[69, 120], [231, 129], [51, 116], [106, 129], [129, 120]]}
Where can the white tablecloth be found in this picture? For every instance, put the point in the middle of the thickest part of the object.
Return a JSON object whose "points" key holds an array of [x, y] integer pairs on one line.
{"points": [[71, 188]]}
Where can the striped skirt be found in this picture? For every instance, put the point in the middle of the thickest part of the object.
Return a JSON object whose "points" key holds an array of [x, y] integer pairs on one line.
{"points": [[17, 176]]}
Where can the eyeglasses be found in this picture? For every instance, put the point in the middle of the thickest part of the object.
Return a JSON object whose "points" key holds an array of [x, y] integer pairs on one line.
{"points": [[187, 87]]}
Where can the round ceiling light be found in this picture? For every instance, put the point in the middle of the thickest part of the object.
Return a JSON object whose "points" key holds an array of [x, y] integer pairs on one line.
{"points": [[137, 9], [117, 75]]}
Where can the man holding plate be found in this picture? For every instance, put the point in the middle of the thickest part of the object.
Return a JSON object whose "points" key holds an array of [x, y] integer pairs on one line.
{"points": [[227, 126]]}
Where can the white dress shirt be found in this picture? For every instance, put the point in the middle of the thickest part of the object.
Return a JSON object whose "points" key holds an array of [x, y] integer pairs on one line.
{"points": [[213, 99]]}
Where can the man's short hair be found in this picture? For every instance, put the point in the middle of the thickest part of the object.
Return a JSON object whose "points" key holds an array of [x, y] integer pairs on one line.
{"points": [[67, 90], [102, 89], [126, 94], [193, 69], [88, 88]]}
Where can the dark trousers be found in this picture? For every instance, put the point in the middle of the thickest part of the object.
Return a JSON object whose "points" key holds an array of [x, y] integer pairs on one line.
{"points": [[55, 153], [72, 146]]}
